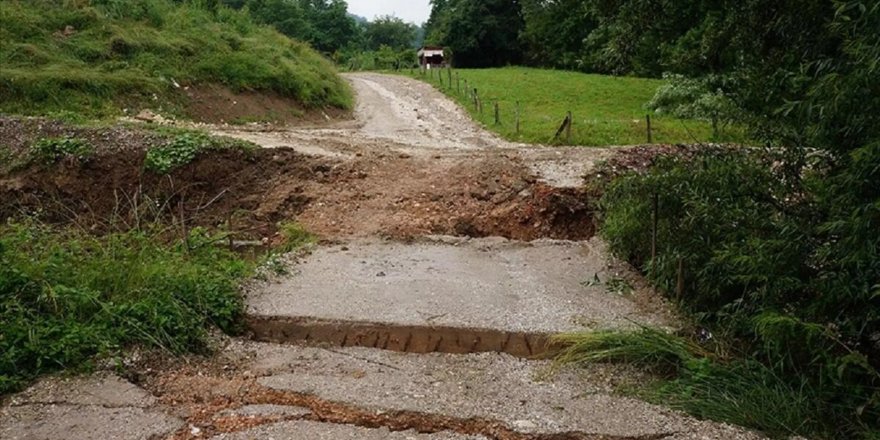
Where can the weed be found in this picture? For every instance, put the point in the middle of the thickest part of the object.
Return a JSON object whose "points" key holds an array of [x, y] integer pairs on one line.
{"points": [[618, 286], [295, 236], [176, 153], [184, 147], [51, 150]]}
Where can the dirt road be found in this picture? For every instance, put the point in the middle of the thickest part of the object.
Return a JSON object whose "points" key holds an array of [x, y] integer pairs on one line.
{"points": [[449, 257]]}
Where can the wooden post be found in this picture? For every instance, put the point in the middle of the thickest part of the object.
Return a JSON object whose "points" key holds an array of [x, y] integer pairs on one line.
{"points": [[476, 100], [565, 127], [497, 114], [457, 83], [650, 137], [517, 117], [449, 76], [654, 215], [679, 284], [568, 129]]}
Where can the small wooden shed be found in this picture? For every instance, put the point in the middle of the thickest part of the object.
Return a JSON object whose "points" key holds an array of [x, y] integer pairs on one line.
{"points": [[431, 56]]}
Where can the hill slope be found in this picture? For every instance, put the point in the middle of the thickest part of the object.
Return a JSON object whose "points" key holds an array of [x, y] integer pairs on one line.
{"points": [[97, 57]]}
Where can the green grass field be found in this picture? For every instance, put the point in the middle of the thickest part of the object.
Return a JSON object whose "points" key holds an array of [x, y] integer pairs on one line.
{"points": [[93, 59], [606, 110]]}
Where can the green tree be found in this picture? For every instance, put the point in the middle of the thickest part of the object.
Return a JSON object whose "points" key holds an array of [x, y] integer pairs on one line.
{"points": [[390, 31], [481, 33]]}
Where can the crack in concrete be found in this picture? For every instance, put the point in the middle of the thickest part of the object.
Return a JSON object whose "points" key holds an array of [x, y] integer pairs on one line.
{"points": [[326, 411], [79, 405]]}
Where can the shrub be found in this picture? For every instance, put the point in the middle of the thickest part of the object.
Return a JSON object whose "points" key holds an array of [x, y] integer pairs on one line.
{"points": [[784, 265]]}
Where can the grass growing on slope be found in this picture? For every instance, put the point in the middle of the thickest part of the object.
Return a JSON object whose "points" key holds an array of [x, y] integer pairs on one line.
{"points": [[742, 392], [606, 110], [66, 296], [101, 56]]}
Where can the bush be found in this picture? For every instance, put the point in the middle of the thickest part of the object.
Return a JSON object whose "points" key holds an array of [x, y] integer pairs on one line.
{"points": [[66, 296], [785, 266]]}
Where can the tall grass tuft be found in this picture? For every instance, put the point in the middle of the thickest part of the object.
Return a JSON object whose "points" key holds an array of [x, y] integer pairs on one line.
{"points": [[695, 380]]}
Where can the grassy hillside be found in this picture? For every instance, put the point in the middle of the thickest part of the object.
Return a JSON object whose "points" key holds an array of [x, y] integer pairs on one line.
{"points": [[606, 110], [96, 57]]}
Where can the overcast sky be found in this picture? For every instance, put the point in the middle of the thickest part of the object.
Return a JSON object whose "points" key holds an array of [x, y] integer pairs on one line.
{"points": [[414, 11]]}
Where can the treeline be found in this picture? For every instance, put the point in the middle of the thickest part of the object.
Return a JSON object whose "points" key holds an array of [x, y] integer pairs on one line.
{"points": [[641, 37], [329, 28]]}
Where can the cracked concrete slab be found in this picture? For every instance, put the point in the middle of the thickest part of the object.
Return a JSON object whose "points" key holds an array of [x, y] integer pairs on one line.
{"points": [[101, 389], [84, 422], [520, 393], [542, 286], [101, 406], [325, 431]]}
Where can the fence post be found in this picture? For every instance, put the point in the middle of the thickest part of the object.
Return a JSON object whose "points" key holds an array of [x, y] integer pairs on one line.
{"points": [[568, 129], [449, 76], [679, 283], [650, 137], [654, 219], [476, 100], [517, 117], [565, 127], [457, 84], [497, 114]]}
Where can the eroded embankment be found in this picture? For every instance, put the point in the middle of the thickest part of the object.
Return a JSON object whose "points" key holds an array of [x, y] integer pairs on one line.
{"points": [[249, 191]]}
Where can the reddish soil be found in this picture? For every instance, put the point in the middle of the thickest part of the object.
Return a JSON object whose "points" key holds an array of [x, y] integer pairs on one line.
{"points": [[219, 104]]}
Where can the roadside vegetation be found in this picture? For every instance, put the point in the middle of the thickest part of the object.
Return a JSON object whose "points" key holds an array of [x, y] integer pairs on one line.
{"points": [[94, 59], [606, 110], [154, 270], [774, 251], [67, 296]]}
